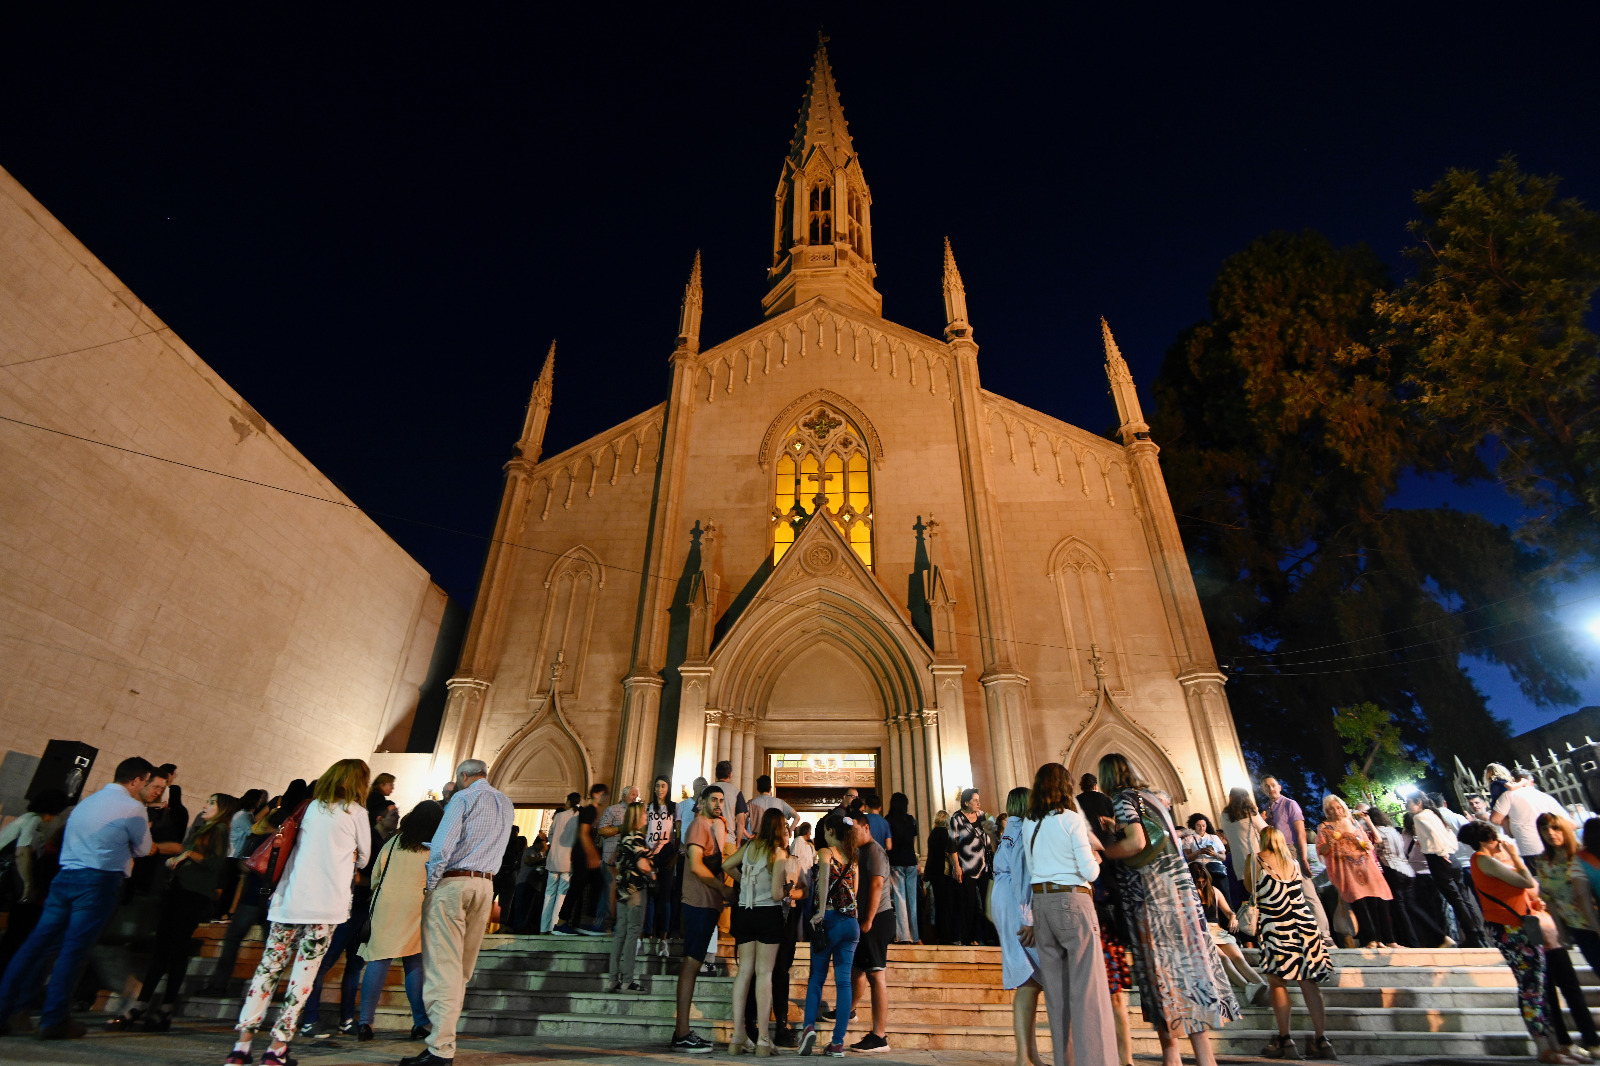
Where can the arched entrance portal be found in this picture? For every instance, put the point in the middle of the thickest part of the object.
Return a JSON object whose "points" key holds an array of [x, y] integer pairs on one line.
{"points": [[822, 662]]}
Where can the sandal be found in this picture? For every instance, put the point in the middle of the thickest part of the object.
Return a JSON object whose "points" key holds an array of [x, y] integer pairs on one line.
{"points": [[1559, 1057], [124, 1022], [1322, 1048], [1282, 1047]]}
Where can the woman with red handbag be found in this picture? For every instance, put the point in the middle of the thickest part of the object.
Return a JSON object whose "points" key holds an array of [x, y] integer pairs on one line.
{"points": [[331, 840]]}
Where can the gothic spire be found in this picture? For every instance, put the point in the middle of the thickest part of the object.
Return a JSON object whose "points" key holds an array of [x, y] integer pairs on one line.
{"points": [[822, 208], [1129, 414], [955, 298], [531, 443], [689, 316], [821, 121]]}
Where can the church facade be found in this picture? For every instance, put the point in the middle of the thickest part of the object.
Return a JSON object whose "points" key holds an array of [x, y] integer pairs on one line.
{"points": [[831, 555]]}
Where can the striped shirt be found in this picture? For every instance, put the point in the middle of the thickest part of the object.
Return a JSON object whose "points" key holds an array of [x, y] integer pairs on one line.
{"points": [[473, 834]]}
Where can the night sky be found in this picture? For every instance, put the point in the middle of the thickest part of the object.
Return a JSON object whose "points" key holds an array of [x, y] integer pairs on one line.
{"points": [[372, 224]]}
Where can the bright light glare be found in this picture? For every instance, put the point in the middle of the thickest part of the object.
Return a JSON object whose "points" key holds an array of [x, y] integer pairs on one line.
{"points": [[1594, 627], [1408, 790]]}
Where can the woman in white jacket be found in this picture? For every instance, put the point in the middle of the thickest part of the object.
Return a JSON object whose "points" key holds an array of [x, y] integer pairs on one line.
{"points": [[311, 900]]}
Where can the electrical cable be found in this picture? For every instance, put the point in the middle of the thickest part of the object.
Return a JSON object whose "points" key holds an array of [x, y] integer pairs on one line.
{"points": [[758, 597]]}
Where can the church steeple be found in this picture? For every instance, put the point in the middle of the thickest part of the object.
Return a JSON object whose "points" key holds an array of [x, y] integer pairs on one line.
{"points": [[1129, 414], [531, 444], [822, 212]]}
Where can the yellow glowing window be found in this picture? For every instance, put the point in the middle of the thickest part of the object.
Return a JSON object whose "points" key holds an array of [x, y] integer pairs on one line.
{"points": [[823, 453]]}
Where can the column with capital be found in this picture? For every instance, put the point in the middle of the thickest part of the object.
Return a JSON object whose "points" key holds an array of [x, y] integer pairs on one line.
{"points": [[750, 766], [935, 764], [697, 726]]}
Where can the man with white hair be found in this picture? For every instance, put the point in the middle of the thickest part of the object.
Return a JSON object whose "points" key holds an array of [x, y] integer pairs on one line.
{"points": [[463, 858]]}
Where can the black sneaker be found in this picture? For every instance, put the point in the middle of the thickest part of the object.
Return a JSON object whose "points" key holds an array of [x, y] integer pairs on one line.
{"points": [[785, 1038], [870, 1043], [691, 1044]]}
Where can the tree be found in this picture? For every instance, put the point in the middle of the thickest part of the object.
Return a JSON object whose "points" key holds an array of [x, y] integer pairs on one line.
{"points": [[1285, 431], [1373, 737], [1498, 353]]}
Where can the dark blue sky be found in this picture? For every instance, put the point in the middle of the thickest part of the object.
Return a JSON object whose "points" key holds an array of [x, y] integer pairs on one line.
{"points": [[373, 223]]}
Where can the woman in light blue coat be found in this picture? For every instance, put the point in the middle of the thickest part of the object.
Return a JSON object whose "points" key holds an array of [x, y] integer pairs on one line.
{"points": [[1010, 908]]}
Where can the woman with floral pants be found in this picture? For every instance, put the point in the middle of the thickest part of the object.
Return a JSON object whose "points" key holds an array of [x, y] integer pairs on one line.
{"points": [[311, 901], [305, 945]]}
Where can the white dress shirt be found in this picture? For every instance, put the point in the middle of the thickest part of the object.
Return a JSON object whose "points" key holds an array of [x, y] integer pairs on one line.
{"points": [[1060, 853]]}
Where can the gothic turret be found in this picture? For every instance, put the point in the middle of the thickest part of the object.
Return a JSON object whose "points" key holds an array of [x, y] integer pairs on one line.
{"points": [[531, 443], [689, 316], [955, 298], [1131, 418], [822, 213]]}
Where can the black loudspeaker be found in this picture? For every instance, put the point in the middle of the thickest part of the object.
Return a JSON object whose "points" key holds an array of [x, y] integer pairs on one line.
{"points": [[65, 765]]}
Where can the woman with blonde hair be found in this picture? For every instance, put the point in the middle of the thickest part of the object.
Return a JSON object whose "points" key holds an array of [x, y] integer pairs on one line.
{"points": [[1182, 987], [1349, 852], [1291, 946], [635, 874], [399, 883], [191, 898], [311, 900]]}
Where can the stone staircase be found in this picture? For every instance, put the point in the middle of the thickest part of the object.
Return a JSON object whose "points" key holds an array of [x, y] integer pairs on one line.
{"points": [[1425, 1003]]}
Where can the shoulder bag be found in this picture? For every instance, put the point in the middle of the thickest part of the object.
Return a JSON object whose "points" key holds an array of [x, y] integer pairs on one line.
{"points": [[1157, 837], [272, 856]]}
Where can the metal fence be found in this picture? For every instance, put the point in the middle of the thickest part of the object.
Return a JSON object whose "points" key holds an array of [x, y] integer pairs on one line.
{"points": [[1562, 776]]}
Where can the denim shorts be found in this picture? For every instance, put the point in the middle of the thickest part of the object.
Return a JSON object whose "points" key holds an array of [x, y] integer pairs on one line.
{"points": [[699, 927]]}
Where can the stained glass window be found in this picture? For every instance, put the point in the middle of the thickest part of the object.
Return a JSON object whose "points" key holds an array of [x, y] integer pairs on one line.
{"points": [[823, 452]]}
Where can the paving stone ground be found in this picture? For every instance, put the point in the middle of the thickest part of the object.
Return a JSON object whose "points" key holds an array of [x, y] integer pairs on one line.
{"points": [[197, 1045]]}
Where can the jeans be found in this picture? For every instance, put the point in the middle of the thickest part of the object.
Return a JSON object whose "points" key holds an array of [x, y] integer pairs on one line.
{"points": [[625, 940], [658, 916], [586, 884], [904, 880], [347, 941], [1467, 916], [555, 892], [840, 933], [78, 907], [181, 912], [245, 915], [375, 974], [605, 910]]}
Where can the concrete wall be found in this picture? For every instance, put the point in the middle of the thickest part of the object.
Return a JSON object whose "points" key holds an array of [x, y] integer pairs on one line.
{"points": [[249, 635]]}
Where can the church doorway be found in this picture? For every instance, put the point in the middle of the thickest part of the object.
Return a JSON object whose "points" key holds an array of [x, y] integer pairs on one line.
{"points": [[814, 782]]}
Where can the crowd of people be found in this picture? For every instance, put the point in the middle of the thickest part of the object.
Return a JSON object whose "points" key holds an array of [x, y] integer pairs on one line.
{"points": [[1089, 896]]}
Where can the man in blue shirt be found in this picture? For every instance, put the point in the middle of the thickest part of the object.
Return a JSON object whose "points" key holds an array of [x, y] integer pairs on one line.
{"points": [[104, 834], [463, 858]]}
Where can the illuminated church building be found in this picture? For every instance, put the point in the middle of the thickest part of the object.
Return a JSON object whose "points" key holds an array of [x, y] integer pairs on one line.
{"points": [[832, 556]]}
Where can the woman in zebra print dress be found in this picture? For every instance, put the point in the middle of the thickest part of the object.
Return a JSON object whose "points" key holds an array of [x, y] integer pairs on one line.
{"points": [[1291, 946]]}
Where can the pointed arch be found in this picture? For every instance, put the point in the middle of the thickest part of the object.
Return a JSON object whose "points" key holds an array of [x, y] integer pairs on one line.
{"points": [[543, 762], [1086, 593], [572, 590], [785, 418]]}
